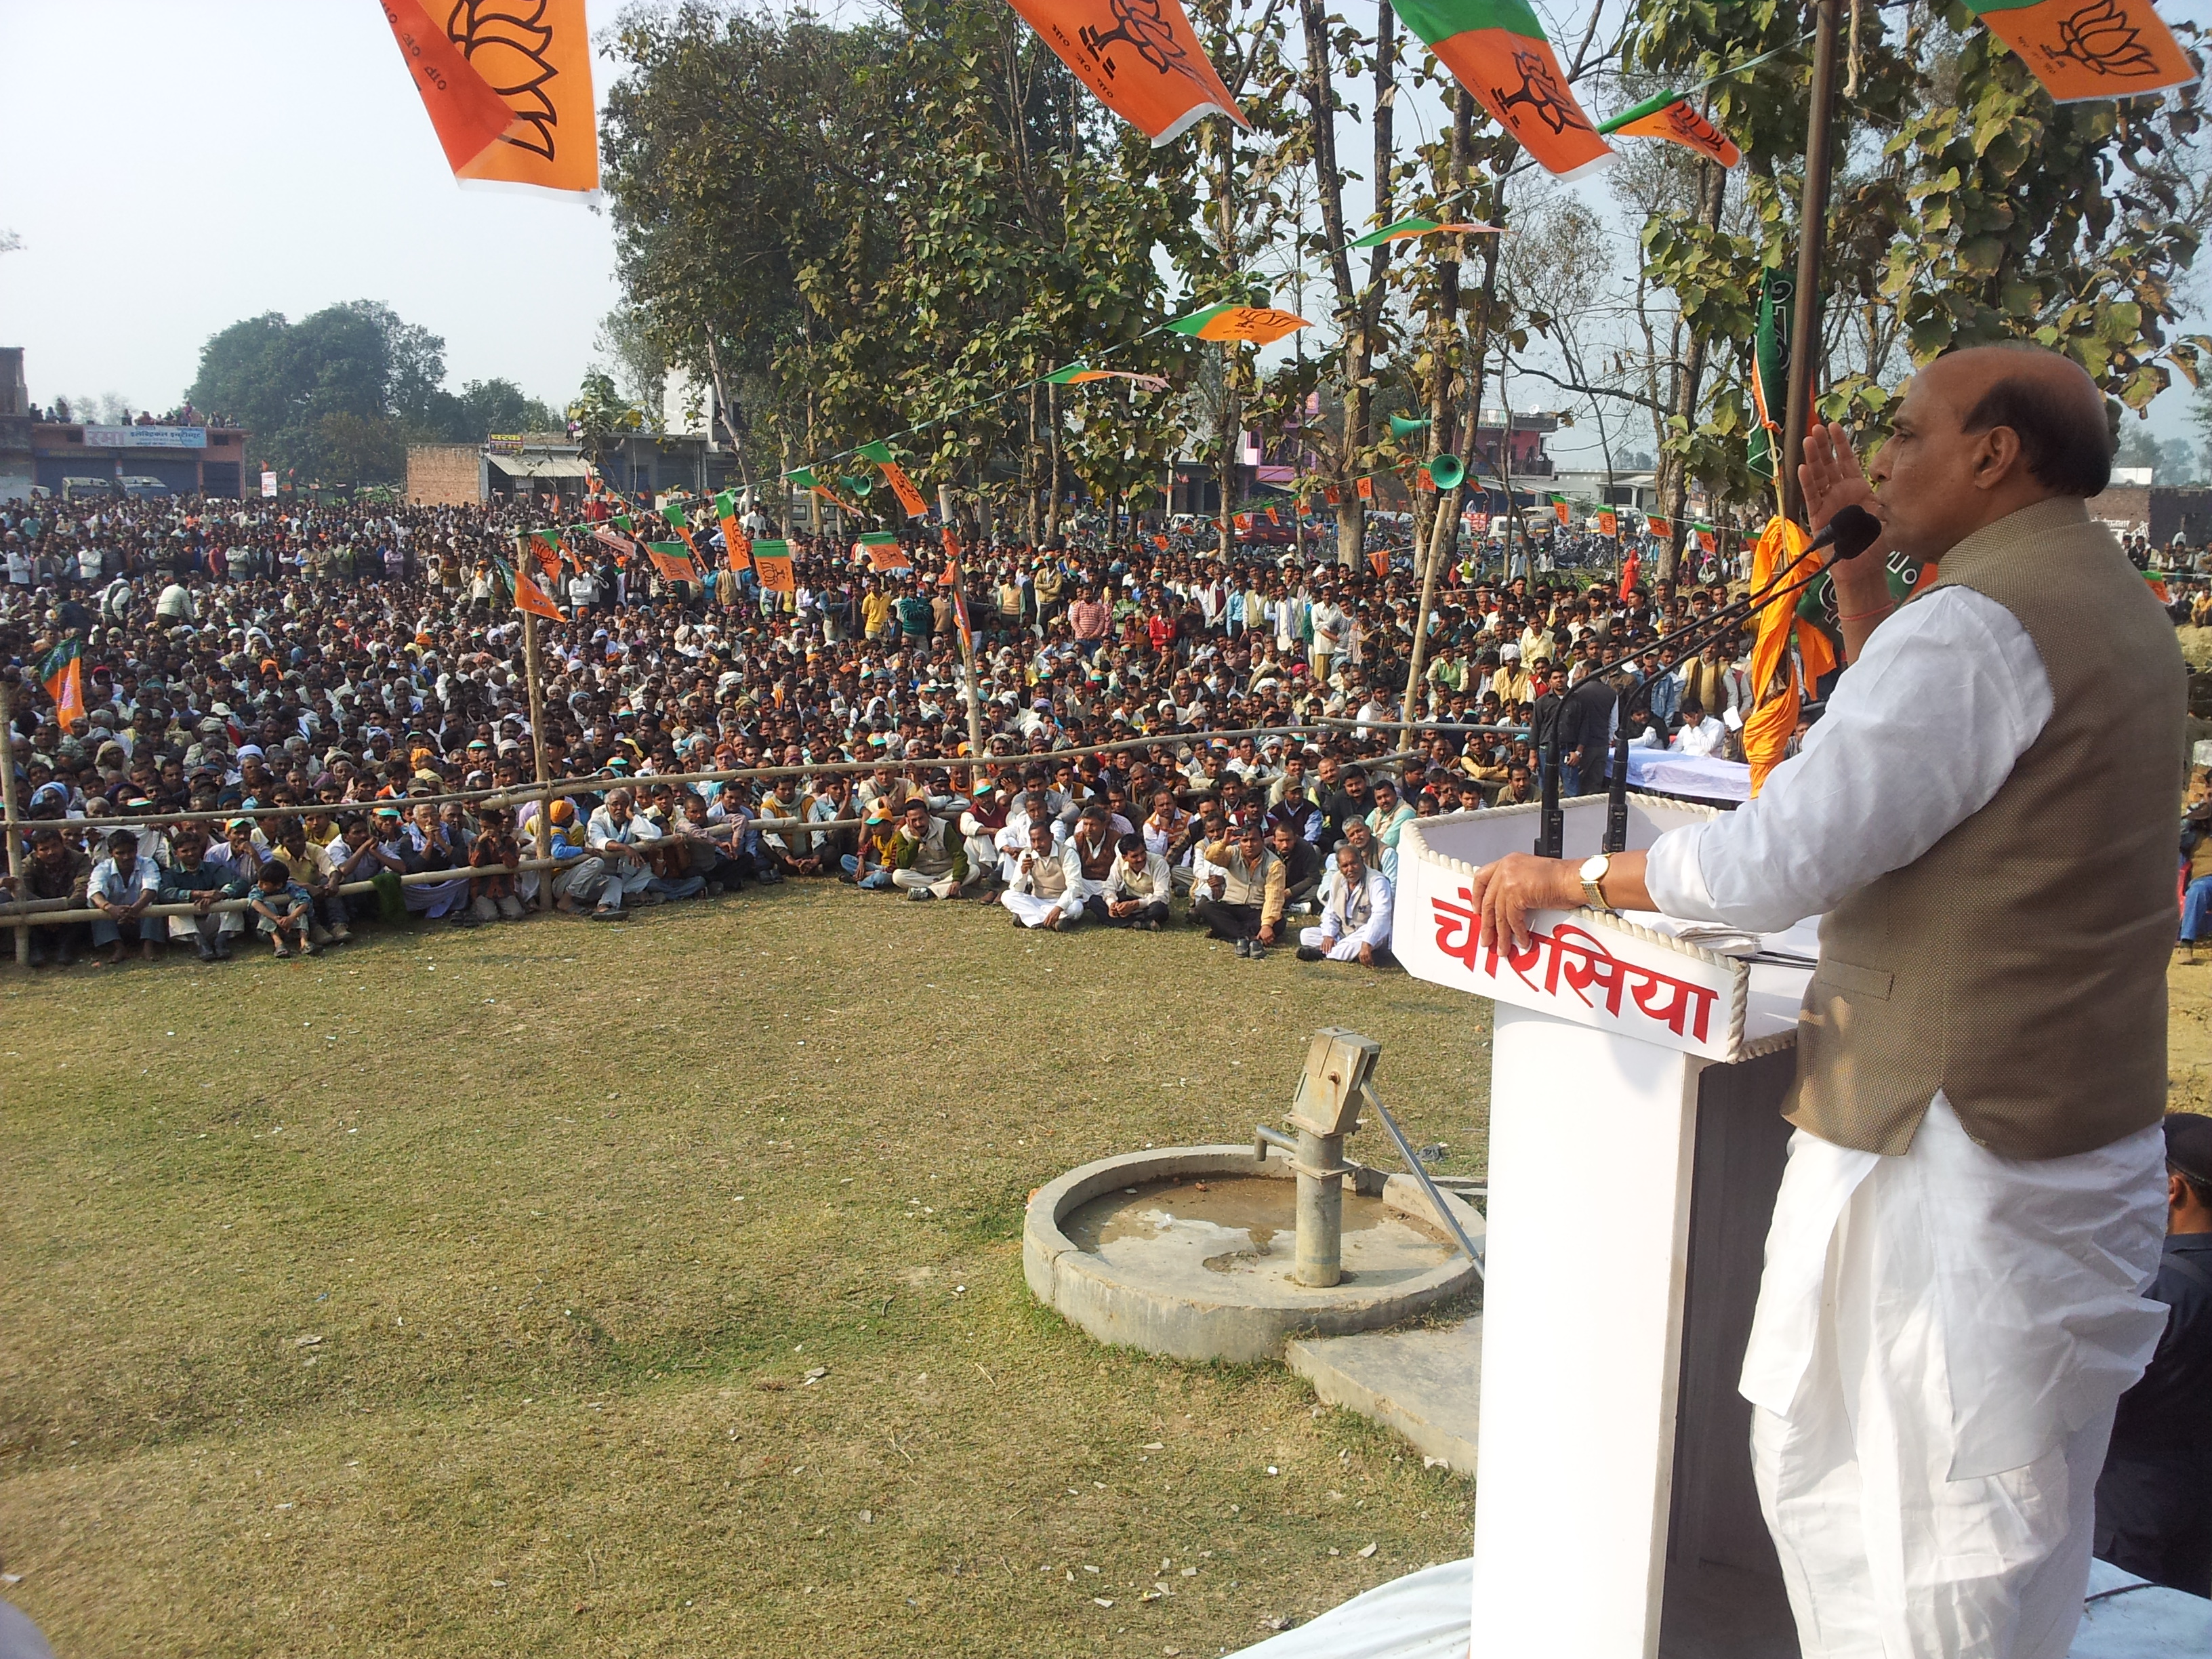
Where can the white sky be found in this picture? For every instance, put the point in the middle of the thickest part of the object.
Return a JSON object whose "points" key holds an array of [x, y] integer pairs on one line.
{"points": [[178, 165]]}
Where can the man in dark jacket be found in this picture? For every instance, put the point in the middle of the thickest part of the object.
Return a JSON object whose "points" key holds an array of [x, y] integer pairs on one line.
{"points": [[2154, 1497]]}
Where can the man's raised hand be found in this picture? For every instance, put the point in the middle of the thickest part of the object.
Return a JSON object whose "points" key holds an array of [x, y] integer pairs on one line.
{"points": [[1830, 476]]}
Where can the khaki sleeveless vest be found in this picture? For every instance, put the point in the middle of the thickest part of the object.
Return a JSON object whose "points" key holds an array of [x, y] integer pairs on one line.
{"points": [[2018, 965]]}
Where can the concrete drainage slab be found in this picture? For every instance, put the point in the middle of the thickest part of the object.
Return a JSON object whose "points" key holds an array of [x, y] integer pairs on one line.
{"points": [[1187, 1251]]}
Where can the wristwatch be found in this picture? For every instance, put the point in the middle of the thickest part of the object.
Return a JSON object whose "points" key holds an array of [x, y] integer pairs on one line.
{"points": [[1593, 874]]}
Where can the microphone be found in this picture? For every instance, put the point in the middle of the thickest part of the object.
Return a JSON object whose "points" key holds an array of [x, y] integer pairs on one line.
{"points": [[1850, 532]]}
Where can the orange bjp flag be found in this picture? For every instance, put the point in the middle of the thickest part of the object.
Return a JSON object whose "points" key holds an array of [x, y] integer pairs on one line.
{"points": [[466, 114], [528, 596], [537, 56], [737, 546], [1141, 58], [1499, 52], [772, 564], [1367, 490], [2087, 49], [1379, 558]]}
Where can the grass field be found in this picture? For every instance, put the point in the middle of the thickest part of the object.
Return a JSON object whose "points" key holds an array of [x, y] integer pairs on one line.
{"points": [[554, 1289]]}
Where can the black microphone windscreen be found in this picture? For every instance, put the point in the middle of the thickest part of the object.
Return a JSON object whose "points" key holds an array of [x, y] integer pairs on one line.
{"points": [[1853, 529]]}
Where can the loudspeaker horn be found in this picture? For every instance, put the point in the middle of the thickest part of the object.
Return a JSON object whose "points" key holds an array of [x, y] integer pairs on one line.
{"points": [[860, 486], [1401, 429], [1445, 472]]}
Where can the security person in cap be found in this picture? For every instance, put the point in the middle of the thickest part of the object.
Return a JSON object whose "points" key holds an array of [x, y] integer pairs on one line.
{"points": [[2154, 1498]]}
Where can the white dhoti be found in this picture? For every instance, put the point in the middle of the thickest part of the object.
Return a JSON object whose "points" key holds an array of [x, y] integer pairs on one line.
{"points": [[1034, 912], [1335, 949], [1940, 1341]]}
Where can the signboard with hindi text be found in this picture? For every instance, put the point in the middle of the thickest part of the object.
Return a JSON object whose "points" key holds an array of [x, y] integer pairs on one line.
{"points": [[146, 437], [1582, 966]]}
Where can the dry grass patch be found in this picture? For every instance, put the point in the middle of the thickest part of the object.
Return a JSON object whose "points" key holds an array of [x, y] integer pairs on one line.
{"points": [[459, 1293]]}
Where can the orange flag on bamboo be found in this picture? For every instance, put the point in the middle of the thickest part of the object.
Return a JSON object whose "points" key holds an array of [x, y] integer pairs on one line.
{"points": [[1141, 58], [465, 113], [1774, 683], [537, 56], [528, 596], [1379, 559], [545, 546]]}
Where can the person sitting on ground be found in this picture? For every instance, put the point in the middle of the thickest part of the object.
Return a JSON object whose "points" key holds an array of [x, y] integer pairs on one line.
{"points": [[312, 868], [981, 820], [190, 879], [121, 886], [1040, 895], [57, 870], [1139, 889], [1302, 866], [868, 865], [926, 860], [281, 909], [1244, 894], [1091, 851], [1355, 913], [616, 834], [493, 896]]}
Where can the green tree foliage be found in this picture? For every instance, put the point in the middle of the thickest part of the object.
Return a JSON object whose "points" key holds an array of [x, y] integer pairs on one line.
{"points": [[601, 417], [336, 397], [849, 230], [1966, 209]]}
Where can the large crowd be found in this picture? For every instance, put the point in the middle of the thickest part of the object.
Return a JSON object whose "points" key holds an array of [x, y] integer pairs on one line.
{"points": [[280, 701]]}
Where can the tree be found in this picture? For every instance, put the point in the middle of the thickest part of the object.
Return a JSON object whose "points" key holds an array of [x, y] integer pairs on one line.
{"points": [[601, 418], [1966, 209], [339, 395]]}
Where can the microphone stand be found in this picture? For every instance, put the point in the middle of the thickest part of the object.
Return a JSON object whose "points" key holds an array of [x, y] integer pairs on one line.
{"points": [[1691, 637]]}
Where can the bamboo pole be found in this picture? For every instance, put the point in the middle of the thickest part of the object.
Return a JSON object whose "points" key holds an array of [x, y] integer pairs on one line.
{"points": [[968, 634], [531, 672], [9, 825], [1812, 235]]}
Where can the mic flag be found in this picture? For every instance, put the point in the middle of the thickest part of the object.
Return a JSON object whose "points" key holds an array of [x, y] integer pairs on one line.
{"points": [[1500, 54], [1770, 375]]}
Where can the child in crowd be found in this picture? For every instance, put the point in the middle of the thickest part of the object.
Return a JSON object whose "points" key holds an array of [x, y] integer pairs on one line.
{"points": [[282, 908]]}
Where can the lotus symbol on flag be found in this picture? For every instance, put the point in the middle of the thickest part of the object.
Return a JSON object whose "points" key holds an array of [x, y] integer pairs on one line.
{"points": [[505, 42], [2100, 39], [1547, 101], [1148, 32]]}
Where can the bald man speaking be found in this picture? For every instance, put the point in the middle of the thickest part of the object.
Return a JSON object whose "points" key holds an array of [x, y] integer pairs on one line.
{"points": [[1975, 1194]]}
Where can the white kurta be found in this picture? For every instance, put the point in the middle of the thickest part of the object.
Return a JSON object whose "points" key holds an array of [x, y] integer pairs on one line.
{"points": [[1940, 1337]]}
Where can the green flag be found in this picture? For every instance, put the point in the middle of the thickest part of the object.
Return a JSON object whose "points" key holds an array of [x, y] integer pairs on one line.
{"points": [[1770, 380], [879, 539], [622, 522], [803, 477], [673, 512], [725, 505], [878, 452]]}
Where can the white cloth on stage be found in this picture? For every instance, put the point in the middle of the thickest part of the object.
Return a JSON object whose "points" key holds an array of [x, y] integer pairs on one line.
{"points": [[1940, 1337]]}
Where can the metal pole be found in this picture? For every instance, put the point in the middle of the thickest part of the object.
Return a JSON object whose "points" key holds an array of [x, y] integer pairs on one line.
{"points": [[1812, 234], [967, 635], [7, 816], [1319, 1258]]}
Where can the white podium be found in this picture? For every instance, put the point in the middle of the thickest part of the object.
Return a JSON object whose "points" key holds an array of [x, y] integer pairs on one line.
{"points": [[1635, 1145]]}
